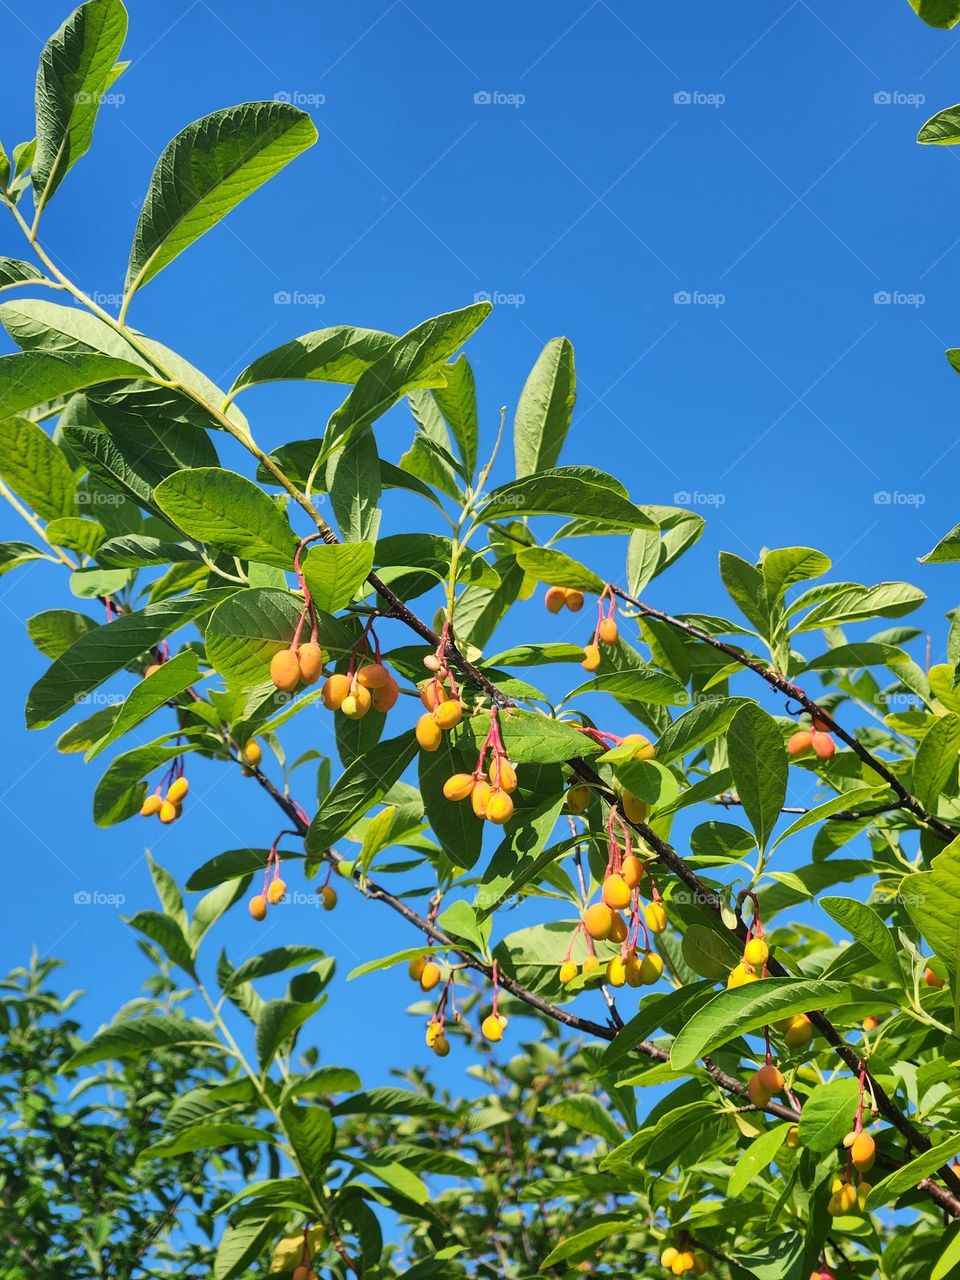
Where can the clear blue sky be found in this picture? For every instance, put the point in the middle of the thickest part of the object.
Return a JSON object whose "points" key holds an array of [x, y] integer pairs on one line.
{"points": [[785, 192]]}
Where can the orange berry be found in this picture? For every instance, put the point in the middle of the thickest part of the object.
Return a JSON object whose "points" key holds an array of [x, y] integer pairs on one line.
{"points": [[618, 928], [385, 698], [655, 915], [591, 658], [428, 732], [870, 1023], [771, 1078], [258, 907], [357, 702], [310, 662], [415, 967], [153, 668], [168, 812], [506, 778], [598, 920], [335, 689], [573, 599], [178, 789], [499, 807], [823, 745], [252, 753], [150, 806], [285, 670], [800, 743], [275, 891], [631, 868], [756, 1091], [373, 676], [328, 897], [448, 713], [863, 1152], [481, 793], [432, 693], [819, 726], [607, 631], [458, 786], [429, 976], [555, 599], [616, 892], [578, 798], [933, 979]]}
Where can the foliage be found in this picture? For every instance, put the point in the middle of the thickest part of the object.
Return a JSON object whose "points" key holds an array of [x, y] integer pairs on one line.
{"points": [[786, 1057]]}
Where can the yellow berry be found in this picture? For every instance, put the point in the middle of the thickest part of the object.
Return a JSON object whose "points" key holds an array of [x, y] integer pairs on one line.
{"points": [[479, 796], [616, 892], [429, 975], [643, 748], [458, 786], [740, 975], [756, 952], [668, 1255], [429, 734], [616, 972], [598, 921], [568, 971], [863, 1191], [505, 778], [618, 928], [655, 914], [633, 807], [863, 1152], [275, 892], [150, 806], [491, 1028], [258, 907], [499, 807], [607, 631], [310, 662], [373, 676], [328, 897], [178, 789], [578, 798], [285, 670], [651, 969], [634, 967], [591, 657], [799, 1031], [792, 1139], [432, 693], [357, 702], [335, 689], [168, 812], [590, 965], [449, 713], [441, 1045], [252, 754], [415, 967]]}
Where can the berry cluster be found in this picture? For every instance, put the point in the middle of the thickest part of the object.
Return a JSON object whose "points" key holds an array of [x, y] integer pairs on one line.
{"points": [[679, 1262], [440, 696], [816, 739], [845, 1195], [558, 598], [605, 632], [489, 787], [275, 890], [365, 684], [166, 803]]}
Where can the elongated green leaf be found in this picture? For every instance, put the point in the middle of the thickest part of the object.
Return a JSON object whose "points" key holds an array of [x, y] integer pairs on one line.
{"points": [[278, 1021], [362, 784], [133, 550], [75, 533], [935, 763], [458, 404], [100, 653], [339, 354], [866, 654], [55, 630], [937, 13], [532, 739], [867, 928], [232, 865], [388, 962], [932, 900], [583, 1242], [942, 130], [148, 696], [410, 363], [567, 491], [756, 1158], [36, 469], [759, 765], [242, 638], [34, 377], [13, 272], [205, 172], [312, 1136], [335, 574], [276, 960], [907, 1177], [585, 1112], [558, 569], [703, 723], [227, 511], [641, 685], [38, 325], [133, 1036], [167, 933], [788, 565], [76, 66], [241, 1243], [828, 1114], [741, 1009], [353, 482], [545, 408], [206, 1137], [851, 799]]}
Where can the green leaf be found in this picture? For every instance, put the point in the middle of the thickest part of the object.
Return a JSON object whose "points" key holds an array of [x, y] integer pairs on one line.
{"points": [[149, 695], [531, 738], [277, 960], [36, 469], [388, 962], [741, 1009], [587, 1113], [907, 1176], [34, 377], [411, 563], [14, 554], [710, 952], [658, 1010], [458, 404], [558, 569], [168, 891], [755, 1159], [38, 325], [937, 13], [704, 722], [786, 566], [55, 630], [636, 685], [167, 933], [759, 765], [205, 172], [76, 534], [865, 654], [227, 511], [312, 1136], [339, 354], [134, 1036], [206, 1137], [100, 653], [76, 67], [567, 491], [353, 482], [134, 550], [232, 865], [932, 899], [935, 763], [828, 1114], [545, 409], [942, 130], [278, 1021], [13, 272], [362, 784], [867, 928], [860, 604], [458, 830], [851, 799], [240, 1245], [583, 1242], [404, 367]]}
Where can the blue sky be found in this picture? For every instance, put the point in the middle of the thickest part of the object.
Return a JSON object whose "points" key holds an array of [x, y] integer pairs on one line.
{"points": [[589, 167]]}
